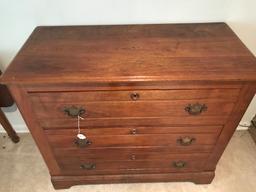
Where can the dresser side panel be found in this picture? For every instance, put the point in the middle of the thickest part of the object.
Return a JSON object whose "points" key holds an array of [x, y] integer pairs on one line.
{"points": [[246, 94], [20, 95]]}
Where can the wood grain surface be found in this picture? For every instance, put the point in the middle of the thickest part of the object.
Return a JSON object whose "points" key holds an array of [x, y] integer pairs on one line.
{"points": [[208, 51]]}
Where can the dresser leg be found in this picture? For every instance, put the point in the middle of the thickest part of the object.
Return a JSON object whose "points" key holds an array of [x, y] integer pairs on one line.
{"points": [[204, 179], [8, 128], [61, 184]]}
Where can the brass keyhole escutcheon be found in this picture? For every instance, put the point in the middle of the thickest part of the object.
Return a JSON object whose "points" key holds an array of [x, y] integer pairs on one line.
{"points": [[135, 96], [133, 131], [133, 157]]}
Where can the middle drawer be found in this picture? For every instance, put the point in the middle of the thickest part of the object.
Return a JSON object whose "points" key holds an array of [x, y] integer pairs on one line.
{"points": [[135, 137]]}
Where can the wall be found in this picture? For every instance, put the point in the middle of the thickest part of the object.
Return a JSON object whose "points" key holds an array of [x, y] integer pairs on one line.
{"points": [[18, 19], [241, 18]]}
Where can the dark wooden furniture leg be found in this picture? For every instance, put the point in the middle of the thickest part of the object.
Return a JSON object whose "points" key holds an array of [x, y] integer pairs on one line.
{"points": [[6, 100], [8, 128]]}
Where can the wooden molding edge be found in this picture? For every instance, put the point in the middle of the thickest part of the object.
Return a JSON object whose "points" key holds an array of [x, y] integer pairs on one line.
{"points": [[64, 182]]}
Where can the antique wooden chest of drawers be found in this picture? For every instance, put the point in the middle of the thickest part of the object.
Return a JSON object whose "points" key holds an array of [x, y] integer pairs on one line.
{"points": [[152, 103]]}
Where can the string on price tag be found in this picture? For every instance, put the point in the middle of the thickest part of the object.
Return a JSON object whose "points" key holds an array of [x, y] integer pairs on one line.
{"points": [[79, 134]]}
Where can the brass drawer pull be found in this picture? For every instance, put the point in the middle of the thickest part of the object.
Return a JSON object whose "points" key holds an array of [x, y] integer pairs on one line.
{"points": [[81, 143], [88, 166], [195, 109], [185, 141], [135, 96], [179, 164], [74, 111]]}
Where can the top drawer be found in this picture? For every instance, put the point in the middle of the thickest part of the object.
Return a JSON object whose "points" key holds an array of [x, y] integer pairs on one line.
{"points": [[134, 108], [140, 95]]}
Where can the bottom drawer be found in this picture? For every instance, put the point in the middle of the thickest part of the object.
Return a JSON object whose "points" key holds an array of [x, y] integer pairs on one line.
{"points": [[167, 163]]}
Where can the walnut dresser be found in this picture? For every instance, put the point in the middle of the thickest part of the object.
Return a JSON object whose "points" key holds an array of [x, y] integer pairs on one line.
{"points": [[151, 103]]}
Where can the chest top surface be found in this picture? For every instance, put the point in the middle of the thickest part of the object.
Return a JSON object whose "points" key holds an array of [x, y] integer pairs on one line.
{"points": [[209, 51]]}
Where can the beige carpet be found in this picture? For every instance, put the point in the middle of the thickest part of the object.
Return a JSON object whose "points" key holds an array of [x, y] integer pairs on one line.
{"points": [[22, 169]]}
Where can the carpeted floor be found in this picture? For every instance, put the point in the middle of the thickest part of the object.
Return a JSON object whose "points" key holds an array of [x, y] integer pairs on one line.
{"points": [[22, 169]]}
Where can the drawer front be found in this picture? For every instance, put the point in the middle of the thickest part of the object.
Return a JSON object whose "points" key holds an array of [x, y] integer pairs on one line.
{"points": [[132, 109], [116, 108], [142, 95], [129, 153], [92, 131], [168, 163], [53, 123], [67, 139]]}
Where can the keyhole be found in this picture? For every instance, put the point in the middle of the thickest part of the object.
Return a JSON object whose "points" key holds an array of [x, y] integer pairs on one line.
{"points": [[133, 157]]}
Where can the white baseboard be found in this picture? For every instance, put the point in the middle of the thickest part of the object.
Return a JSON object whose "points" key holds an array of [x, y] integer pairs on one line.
{"points": [[240, 128], [243, 125], [18, 129]]}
